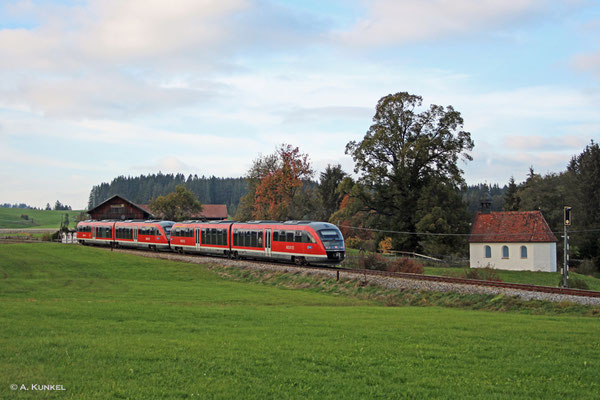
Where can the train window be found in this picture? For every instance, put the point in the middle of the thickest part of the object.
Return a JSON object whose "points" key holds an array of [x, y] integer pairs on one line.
{"points": [[307, 237], [276, 236], [224, 236], [235, 237], [298, 236], [253, 236], [329, 234], [260, 239], [289, 236]]}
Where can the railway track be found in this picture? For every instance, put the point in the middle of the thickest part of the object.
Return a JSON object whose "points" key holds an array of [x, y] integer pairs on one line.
{"points": [[339, 271]]}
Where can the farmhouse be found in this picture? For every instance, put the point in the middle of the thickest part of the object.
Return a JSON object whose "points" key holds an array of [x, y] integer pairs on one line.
{"points": [[512, 240], [118, 207]]}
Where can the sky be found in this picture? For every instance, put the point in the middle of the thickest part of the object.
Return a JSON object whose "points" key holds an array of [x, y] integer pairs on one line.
{"points": [[90, 90]]}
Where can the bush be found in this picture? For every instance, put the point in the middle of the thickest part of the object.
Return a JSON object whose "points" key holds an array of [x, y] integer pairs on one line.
{"points": [[50, 237], [24, 216], [575, 283], [587, 267], [385, 245], [405, 265], [482, 274], [354, 243], [373, 261]]}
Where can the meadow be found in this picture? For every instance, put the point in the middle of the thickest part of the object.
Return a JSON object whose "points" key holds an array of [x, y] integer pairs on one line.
{"points": [[11, 218], [109, 325]]}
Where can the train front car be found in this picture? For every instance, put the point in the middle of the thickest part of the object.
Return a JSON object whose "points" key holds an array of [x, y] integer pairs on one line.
{"points": [[332, 241], [301, 242]]}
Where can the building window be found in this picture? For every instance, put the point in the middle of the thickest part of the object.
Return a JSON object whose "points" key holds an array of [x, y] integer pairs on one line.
{"points": [[488, 251], [523, 252], [504, 251]]}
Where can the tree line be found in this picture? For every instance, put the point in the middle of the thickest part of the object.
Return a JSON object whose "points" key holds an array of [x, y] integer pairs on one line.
{"points": [[145, 188], [57, 206]]}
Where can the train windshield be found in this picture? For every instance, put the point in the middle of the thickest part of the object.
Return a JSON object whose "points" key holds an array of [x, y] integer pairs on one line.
{"points": [[332, 238]]}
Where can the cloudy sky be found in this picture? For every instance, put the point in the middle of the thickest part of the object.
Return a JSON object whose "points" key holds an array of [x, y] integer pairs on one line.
{"points": [[90, 90]]}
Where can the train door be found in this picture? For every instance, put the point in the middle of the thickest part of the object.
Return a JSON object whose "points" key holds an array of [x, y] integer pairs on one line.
{"points": [[135, 234], [268, 242], [197, 238], [93, 232]]}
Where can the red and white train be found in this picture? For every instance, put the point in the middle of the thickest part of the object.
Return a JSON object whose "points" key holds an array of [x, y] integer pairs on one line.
{"points": [[300, 242]]}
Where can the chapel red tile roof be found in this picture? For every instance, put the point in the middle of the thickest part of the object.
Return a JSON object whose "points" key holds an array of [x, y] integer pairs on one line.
{"points": [[511, 226]]}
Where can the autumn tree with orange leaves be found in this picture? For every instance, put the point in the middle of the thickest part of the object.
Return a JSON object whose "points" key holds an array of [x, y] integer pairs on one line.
{"points": [[275, 185]]}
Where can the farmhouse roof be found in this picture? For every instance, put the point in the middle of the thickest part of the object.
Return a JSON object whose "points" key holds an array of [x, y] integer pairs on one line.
{"points": [[511, 226], [209, 211], [116, 196], [213, 211]]}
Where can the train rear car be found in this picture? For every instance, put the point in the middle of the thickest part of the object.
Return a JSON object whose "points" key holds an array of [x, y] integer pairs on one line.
{"points": [[96, 232]]}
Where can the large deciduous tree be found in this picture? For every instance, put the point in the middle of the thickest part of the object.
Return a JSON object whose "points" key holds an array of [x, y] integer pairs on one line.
{"points": [[275, 185], [176, 206], [403, 156]]}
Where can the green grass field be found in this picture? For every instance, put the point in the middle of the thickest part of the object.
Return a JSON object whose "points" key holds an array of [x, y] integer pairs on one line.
{"points": [[11, 218], [108, 325]]}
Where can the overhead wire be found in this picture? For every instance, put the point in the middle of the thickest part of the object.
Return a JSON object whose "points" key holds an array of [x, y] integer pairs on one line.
{"points": [[461, 234]]}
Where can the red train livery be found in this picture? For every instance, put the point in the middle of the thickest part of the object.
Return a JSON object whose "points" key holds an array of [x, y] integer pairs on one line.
{"points": [[300, 242], [153, 235]]}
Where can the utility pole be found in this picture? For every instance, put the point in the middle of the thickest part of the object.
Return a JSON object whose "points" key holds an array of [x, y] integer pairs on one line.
{"points": [[567, 220]]}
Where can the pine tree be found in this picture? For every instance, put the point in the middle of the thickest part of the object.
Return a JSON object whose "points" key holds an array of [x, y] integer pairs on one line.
{"points": [[511, 196]]}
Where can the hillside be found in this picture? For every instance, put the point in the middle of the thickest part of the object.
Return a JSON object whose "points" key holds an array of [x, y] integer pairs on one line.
{"points": [[11, 218], [110, 325]]}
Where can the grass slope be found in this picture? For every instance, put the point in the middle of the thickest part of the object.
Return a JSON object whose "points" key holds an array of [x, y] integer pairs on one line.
{"points": [[11, 218], [109, 325], [527, 277]]}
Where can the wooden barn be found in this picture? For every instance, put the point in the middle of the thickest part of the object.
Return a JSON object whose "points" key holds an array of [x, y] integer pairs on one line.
{"points": [[118, 207]]}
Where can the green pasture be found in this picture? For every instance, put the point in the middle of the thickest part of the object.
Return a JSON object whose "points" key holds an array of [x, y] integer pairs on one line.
{"points": [[109, 325], [11, 218]]}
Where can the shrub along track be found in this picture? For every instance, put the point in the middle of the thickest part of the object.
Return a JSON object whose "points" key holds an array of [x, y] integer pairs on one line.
{"points": [[396, 280]]}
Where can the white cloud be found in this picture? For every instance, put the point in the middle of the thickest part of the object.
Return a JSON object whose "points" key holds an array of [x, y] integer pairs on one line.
{"points": [[545, 143], [396, 22], [589, 62]]}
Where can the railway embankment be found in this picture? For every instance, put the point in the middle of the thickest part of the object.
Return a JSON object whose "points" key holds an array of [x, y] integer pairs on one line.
{"points": [[390, 284]]}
